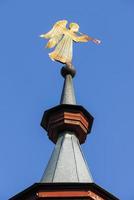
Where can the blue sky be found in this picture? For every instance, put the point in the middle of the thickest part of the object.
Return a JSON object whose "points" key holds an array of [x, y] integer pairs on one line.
{"points": [[31, 83]]}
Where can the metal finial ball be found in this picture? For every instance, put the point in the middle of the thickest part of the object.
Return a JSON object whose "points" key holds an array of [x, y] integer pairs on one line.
{"points": [[68, 71]]}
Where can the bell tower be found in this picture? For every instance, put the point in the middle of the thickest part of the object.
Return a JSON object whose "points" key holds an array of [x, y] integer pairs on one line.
{"points": [[67, 175]]}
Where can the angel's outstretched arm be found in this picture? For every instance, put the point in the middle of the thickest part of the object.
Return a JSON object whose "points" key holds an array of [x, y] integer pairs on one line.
{"points": [[85, 38]]}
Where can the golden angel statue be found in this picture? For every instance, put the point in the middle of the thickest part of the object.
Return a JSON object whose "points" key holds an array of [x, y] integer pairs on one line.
{"points": [[63, 38]]}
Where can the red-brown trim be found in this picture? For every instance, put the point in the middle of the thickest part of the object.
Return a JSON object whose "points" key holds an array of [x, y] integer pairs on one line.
{"points": [[61, 194], [75, 122]]}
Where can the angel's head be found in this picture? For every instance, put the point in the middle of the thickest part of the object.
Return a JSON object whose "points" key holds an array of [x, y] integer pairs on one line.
{"points": [[74, 27]]}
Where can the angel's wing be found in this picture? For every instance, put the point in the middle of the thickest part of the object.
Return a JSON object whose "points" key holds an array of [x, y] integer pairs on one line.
{"points": [[53, 41], [55, 34], [57, 29]]}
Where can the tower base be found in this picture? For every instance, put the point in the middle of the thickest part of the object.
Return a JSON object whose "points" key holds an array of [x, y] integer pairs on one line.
{"points": [[63, 191]]}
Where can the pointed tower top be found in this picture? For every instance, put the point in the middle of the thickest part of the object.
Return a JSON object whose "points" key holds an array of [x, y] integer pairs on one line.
{"points": [[67, 125], [67, 175]]}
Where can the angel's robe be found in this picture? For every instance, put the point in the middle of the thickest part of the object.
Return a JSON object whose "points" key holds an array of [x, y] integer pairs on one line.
{"points": [[63, 50]]}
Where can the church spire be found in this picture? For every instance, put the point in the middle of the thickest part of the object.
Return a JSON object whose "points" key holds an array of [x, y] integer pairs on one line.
{"points": [[67, 162], [67, 175]]}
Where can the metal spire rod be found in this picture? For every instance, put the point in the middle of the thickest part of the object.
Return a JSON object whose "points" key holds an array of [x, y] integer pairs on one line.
{"points": [[68, 96]]}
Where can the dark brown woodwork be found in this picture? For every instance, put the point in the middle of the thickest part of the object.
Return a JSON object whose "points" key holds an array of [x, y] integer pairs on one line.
{"points": [[62, 118], [54, 191]]}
